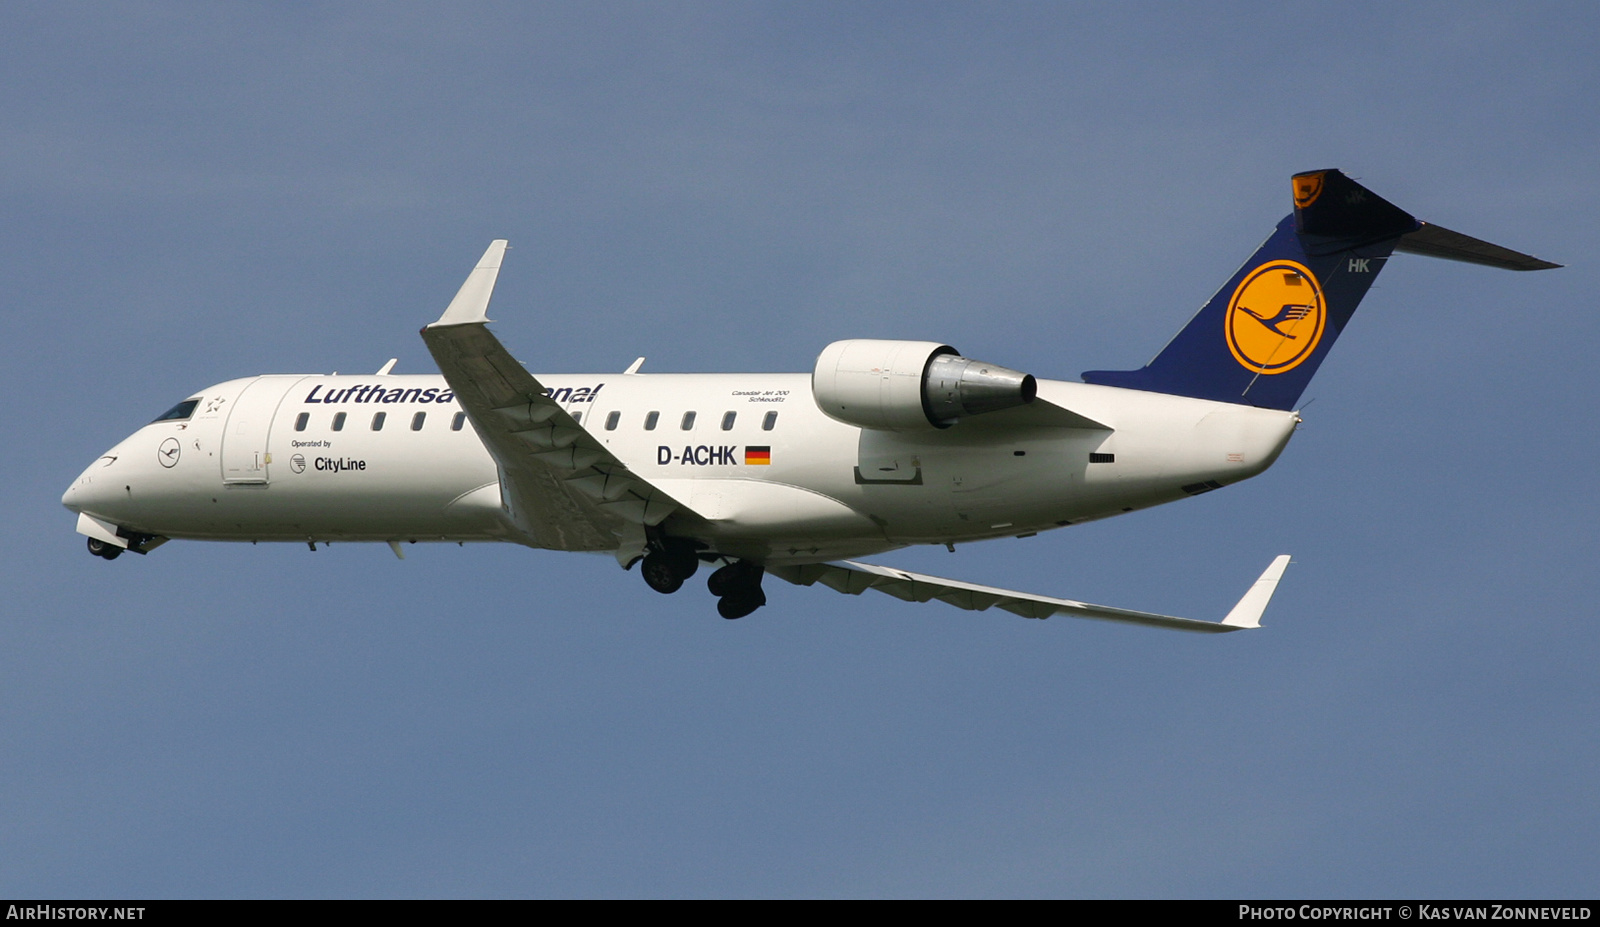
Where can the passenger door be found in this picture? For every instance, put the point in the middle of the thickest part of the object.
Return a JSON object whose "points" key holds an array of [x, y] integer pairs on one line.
{"points": [[244, 439]]}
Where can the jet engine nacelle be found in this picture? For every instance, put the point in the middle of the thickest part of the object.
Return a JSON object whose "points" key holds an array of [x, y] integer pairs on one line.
{"points": [[911, 385]]}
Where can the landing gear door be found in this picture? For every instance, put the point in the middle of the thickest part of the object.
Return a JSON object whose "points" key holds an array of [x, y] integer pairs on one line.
{"points": [[245, 458]]}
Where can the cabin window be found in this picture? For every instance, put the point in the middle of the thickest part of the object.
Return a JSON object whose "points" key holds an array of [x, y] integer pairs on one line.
{"points": [[417, 420], [458, 421], [612, 420], [769, 420], [338, 421], [577, 418], [180, 412], [650, 421], [377, 421], [688, 421], [300, 421], [727, 420]]}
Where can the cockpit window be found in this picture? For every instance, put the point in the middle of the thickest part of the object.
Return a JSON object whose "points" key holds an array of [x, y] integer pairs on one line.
{"points": [[181, 412]]}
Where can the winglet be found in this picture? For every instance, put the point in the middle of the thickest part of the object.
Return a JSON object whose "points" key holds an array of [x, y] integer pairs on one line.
{"points": [[471, 304], [1247, 614]]}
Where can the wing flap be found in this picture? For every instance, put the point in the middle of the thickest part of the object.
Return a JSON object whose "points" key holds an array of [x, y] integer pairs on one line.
{"points": [[854, 578]]}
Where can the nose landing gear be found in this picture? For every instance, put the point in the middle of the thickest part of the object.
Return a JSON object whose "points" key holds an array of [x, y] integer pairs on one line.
{"points": [[138, 543]]}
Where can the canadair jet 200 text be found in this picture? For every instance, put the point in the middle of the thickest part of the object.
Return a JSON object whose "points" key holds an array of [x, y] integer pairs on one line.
{"points": [[884, 444]]}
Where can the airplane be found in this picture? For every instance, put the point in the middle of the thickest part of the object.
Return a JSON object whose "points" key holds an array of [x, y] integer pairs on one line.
{"points": [[884, 444]]}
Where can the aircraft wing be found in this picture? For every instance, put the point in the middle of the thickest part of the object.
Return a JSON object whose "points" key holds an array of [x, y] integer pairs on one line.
{"points": [[565, 491], [854, 578]]}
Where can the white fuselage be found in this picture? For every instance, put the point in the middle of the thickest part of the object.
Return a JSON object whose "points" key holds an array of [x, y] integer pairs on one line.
{"points": [[263, 459]]}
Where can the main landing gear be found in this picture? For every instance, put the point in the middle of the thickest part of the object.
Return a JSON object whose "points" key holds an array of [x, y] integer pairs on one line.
{"points": [[668, 565], [738, 588], [737, 585]]}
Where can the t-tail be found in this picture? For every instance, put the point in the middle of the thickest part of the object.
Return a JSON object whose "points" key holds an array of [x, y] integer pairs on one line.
{"points": [[1265, 332]]}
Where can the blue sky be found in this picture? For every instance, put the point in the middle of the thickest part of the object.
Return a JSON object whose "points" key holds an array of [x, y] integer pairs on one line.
{"points": [[195, 192]]}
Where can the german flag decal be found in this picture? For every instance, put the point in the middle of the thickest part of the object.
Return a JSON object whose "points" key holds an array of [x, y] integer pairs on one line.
{"points": [[758, 456]]}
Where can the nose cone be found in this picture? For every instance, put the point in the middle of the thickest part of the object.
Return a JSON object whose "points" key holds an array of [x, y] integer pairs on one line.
{"points": [[94, 486]]}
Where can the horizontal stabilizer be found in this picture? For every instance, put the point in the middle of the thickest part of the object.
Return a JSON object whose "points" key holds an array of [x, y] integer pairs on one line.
{"points": [[1437, 241], [853, 578]]}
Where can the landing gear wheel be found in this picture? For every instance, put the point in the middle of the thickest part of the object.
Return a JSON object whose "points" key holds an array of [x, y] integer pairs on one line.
{"points": [[736, 575], [101, 549], [738, 586], [683, 560], [669, 563], [662, 574], [741, 603]]}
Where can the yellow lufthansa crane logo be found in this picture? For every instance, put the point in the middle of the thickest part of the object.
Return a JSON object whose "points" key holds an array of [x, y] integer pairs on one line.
{"points": [[1276, 317], [1307, 187]]}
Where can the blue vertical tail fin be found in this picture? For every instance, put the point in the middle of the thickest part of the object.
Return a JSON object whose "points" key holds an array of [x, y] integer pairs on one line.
{"points": [[1265, 332]]}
